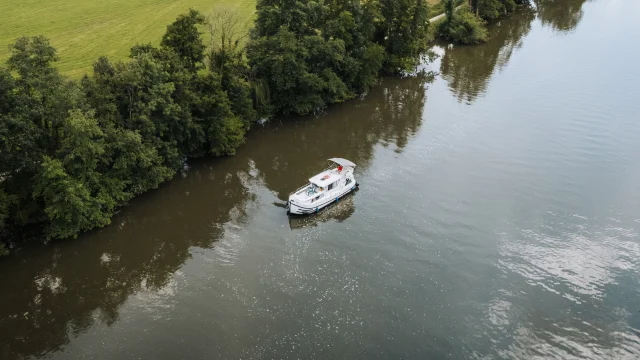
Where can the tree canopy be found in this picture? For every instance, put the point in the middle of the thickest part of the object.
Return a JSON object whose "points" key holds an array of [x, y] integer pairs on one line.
{"points": [[467, 26], [73, 152], [310, 54], [492, 10], [462, 27]]}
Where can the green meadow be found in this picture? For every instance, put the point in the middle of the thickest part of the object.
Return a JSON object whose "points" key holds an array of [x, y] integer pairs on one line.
{"points": [[83, 30]]}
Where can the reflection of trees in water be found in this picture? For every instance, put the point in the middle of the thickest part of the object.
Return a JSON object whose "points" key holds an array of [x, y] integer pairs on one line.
{"points": [[389, 114], [561, 15], [468, 69], [52, 294]]}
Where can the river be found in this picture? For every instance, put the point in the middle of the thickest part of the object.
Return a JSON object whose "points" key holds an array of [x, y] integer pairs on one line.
{"points": [[497, 217]]}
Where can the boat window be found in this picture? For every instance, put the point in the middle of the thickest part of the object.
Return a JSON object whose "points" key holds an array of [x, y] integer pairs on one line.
{"points": [[331, 186], [306, 188]]}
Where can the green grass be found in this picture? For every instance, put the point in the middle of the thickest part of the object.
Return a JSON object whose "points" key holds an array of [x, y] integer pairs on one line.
{"points": [[83, 30], [436, 7]]}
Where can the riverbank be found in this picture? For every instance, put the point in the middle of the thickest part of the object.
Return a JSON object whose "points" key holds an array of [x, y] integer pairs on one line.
{"points": [[130, 126]]}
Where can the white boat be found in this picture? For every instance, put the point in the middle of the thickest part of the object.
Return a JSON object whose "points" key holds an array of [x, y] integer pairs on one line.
{"points": [[324, 189]]}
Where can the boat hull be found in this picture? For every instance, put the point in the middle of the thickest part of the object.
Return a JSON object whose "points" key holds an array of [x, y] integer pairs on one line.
{"points": [[304, 209]]}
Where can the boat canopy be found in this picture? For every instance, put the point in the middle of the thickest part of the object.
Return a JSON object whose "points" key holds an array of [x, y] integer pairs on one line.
{"points": [[343, 162], [324, 178]]}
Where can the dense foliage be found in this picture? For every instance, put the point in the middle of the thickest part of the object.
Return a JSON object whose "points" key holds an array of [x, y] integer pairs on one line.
{"points": [[468, 25], [492, 10], [461, 27], [440, 7], [72, 152], [306, 54]]}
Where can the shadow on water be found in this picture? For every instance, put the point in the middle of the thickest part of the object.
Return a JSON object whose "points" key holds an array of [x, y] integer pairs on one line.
{"points": [[52, 294], [561, 15], [338, 212], [468, 69]]}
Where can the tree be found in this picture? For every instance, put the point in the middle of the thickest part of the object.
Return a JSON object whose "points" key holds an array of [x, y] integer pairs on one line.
{"points": [[310, 54], [226, 58], [462, 27], [353, 23], [404, 32], [42, 98], [10, 146], [34, 107], [449, 9], [71, 154], [212, 110], [134, 161], [296, 71], [492, 10], [301, 17], [6, 201], [75, 195], [184, 38]]}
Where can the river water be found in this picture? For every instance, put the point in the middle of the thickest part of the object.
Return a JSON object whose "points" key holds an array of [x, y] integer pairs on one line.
{"points": [[497, 217]]}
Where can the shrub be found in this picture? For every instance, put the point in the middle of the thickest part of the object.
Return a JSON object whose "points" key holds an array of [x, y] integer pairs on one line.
{"points": [[463, 27]]}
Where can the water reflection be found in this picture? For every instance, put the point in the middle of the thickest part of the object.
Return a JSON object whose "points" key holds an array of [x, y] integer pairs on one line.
{"points": [[50, 295], [561, 15], [390, 115], [577, 269], [338, 212], [468, 69]]}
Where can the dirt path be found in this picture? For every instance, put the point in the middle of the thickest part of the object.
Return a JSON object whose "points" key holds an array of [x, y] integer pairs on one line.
{"points": [[441, 16]]}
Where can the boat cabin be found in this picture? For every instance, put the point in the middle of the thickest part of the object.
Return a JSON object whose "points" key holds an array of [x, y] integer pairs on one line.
{"points": [[321, 189], [327, 179]]}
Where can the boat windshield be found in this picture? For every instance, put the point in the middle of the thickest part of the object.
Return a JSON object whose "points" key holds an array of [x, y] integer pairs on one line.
{"points": [[312, 189]]}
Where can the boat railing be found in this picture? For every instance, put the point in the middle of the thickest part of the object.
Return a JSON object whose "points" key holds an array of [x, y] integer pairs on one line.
{"points": [[333, 168]]}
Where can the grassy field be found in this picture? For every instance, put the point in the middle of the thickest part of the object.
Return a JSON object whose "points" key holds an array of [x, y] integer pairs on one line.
{"points": [[83, 30]]}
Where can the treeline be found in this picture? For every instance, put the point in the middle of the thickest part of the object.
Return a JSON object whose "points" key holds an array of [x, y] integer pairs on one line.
{"points": [[72, 152], [308, 54], [468, 25]]}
